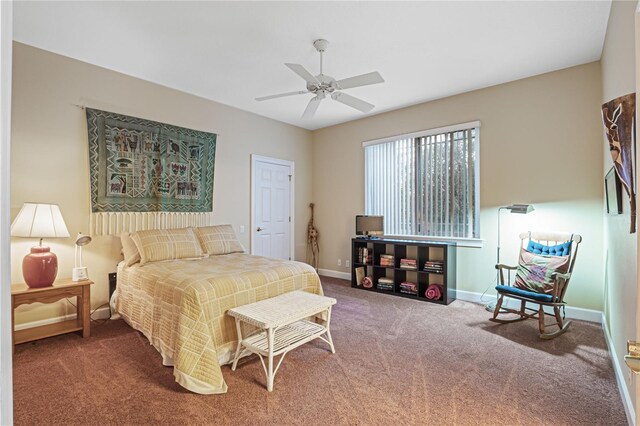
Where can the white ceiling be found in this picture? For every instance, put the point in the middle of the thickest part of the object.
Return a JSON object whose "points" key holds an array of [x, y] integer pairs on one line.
{"points": [[233, 52]]}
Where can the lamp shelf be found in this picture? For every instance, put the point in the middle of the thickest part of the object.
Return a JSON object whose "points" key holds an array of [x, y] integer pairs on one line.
{"points": [[44, 331], [63, 288]]}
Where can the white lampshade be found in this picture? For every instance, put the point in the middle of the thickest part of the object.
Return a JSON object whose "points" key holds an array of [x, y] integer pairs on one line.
{"points": [[38, 220]]}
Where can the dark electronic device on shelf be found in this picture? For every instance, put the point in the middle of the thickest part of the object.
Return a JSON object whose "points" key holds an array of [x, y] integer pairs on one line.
{"points": [[368, 226]]}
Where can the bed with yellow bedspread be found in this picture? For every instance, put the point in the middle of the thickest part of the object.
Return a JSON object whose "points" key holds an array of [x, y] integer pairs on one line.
{"points": [[181, 305]]}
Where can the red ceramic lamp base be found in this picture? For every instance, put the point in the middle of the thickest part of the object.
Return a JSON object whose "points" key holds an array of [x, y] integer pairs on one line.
{"points": [[40, 267]]}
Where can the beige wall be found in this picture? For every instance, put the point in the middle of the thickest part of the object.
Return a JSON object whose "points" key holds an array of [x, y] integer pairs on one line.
{"points": [[50, 154], [540, 142], [618, 78]]}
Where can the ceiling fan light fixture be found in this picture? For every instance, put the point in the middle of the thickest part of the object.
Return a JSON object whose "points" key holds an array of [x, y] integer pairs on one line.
{"points": [[321, 45]]}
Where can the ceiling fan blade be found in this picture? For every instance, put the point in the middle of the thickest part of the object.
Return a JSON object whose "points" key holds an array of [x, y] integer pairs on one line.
{"points": [[302, 72], [352, 101], [360, 80], [280, 95], [312, 107]]}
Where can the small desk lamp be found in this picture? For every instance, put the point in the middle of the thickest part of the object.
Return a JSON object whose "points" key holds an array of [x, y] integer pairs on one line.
{"points": [[37, 220], [79, 272]]}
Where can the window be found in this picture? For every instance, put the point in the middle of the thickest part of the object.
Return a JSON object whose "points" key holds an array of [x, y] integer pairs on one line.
{"points": [[426, 183]]}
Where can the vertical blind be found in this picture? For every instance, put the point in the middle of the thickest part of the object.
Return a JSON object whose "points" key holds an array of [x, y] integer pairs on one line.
{"points": [[425, 185]]}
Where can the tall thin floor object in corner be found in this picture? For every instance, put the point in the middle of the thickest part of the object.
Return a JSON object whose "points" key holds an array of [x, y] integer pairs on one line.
{"points": [[513, 208]]}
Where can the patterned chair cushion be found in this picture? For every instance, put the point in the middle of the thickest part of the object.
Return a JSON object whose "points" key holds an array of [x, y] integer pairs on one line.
{"points": [[534, 271], [167, 244], [219, 239]]}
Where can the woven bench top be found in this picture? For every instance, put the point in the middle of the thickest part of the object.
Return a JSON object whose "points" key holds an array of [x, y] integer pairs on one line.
{"points": [[282, 310]]}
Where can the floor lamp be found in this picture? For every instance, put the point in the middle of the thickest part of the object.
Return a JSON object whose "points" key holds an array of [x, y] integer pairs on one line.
{"points": [[513, 208]]}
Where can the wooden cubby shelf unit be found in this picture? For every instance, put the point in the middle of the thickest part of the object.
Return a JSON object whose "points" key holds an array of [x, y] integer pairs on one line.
{"points": [[439, 259]]}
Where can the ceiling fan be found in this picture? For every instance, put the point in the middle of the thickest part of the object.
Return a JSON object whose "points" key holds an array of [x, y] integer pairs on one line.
{"points": [[323, 85]]}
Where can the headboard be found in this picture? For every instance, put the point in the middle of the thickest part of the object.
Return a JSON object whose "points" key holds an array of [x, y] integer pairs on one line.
{"points": [[115, 223]]}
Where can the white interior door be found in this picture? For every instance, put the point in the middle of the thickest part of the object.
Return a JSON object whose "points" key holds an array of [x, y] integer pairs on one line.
{"points": [[271, 230]]}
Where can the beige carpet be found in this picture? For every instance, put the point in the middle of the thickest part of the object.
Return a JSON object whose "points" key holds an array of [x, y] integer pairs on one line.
{"points": [[398, 362]]}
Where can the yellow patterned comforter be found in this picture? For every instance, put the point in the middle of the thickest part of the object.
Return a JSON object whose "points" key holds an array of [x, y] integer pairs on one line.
{"points": [[181, 305]]}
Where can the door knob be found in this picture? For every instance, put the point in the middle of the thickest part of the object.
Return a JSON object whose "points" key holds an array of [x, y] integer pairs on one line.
{"points": [[259, 229], [632, 359]]}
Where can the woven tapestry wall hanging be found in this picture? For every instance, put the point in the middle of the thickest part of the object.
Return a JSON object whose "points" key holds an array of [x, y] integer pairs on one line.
{"points": [[618, 117], [139, 166]]}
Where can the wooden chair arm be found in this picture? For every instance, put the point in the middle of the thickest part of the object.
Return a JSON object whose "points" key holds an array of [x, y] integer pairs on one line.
{"points": [[556, 276], [560, 282], [503, 266]]}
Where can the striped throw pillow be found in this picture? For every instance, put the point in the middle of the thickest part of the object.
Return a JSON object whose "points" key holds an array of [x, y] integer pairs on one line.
{"points": [[219, 239], [167, 244]]}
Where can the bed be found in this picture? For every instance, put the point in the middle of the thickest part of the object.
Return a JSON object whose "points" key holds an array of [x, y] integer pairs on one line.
{"points": [[180, 304]]}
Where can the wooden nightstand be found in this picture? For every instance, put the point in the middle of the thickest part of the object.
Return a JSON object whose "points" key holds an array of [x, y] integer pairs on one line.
{"points": [[62, 288]]}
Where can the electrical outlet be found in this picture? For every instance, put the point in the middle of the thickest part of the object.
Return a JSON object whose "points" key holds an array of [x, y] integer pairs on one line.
{"points": [[339, 262], [347, 263], [242, 229]]}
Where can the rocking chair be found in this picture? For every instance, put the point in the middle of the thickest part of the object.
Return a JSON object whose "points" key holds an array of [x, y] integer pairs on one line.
{"points": [[542, 276]]}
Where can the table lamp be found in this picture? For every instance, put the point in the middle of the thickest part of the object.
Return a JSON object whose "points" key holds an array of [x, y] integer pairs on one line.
{"points": [[80, 272], [37, 220]]}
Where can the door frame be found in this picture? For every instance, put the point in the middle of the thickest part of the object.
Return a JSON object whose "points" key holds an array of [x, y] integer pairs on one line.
{"points": [[6, 351], [262, 159], [637, 161]]}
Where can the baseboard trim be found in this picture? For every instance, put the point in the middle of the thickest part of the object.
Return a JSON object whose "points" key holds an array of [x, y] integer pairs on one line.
{"points": [[619, 373], [334, 274], [101, 313], [470, 296], [571, 311]]}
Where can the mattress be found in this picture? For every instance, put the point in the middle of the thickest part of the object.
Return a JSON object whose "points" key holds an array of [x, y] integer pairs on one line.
{"points": [[181, 305]]}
